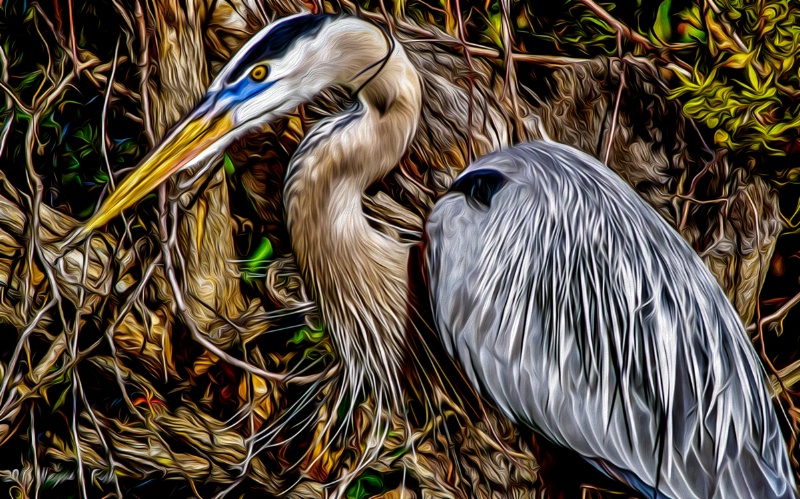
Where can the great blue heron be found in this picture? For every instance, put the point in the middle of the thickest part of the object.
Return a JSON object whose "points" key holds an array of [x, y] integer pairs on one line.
{"points": [[568, 301]]}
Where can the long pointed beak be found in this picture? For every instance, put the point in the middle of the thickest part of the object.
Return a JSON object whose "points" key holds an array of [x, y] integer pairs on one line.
{"points": [[183, 145]]}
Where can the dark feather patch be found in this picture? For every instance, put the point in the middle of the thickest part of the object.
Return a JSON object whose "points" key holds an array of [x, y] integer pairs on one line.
{"points": [[480, 186], [279, 39]]}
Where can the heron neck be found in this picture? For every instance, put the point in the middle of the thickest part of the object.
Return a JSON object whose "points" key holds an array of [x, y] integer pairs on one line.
{"points": [[357, 275]]}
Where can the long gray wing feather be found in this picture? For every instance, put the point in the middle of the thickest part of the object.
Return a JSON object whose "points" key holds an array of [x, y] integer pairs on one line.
{"points": [[574, 307]]}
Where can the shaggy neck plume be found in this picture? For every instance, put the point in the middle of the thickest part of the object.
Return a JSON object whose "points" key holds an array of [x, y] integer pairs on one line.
{"points": [[358, 276]]}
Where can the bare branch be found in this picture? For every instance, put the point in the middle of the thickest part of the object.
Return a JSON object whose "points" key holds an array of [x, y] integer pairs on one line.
{"points": [[776, 317], [103, 136], [615, 116], [10, 93]]}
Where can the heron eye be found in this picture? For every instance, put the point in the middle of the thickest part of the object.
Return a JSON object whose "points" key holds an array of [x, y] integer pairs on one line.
{"points": [[259, 72]]}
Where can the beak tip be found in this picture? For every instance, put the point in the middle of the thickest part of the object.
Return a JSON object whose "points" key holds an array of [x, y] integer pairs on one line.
{"points": [[185, 144]]}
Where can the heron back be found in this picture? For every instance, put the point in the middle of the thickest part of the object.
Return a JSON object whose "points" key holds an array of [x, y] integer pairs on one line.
{"points": [[581, 313]]}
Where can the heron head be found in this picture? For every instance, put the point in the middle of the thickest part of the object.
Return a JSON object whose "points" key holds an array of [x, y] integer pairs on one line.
{"points": [[282, 66]]}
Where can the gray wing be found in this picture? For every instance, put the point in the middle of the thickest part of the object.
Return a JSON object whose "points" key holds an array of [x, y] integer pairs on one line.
{"points": [[574, 307]]}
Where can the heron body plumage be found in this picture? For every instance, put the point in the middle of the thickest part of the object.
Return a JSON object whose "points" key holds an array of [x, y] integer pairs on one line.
{"points": [[568, 301], [582, 314]]}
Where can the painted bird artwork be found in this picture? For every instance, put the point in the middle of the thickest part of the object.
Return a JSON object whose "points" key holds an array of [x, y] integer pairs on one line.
{"points": [[399, 250]]}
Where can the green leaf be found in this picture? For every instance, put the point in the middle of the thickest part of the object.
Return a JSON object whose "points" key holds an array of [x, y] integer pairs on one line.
{"points": [[368, 484], [61, 399], [307, 335], [260, 255], [228, 164], [663, 27]]}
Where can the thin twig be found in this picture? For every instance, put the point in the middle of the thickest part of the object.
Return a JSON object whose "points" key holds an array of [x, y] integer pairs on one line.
{"points": [[109, 455], [103, 137], [35, 390], [14, 97], [777, 316], [543, 60], [731, 33], [46, 73], [75, 375], [688, 196], [621, 28], [144, 73], [789, 376], [75, 434], [18, 348], [764, 357], [78, 67], [471, 81], [618, 26], [37, 476], [9, 99], [509, 81], [34, 231], [615, 116], [73, 40]]}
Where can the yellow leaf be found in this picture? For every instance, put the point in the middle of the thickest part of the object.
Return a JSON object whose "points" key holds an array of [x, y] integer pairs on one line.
{"points": [[717, 32], [786, 64], [753, 77], [739, 61], [204, 362]]}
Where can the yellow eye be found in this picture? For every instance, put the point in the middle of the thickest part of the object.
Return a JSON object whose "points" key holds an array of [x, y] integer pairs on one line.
{"points": [[259, 73]]}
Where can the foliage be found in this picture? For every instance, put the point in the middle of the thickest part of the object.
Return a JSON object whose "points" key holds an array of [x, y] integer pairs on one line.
{"points": [[745, 77], [739, 61]]}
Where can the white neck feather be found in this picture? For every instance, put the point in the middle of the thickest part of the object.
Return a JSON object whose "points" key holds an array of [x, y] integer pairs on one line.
{"points": [[357, 275]]}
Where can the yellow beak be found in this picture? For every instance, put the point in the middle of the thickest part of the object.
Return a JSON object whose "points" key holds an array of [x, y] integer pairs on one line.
{"points": [[179, 149]]}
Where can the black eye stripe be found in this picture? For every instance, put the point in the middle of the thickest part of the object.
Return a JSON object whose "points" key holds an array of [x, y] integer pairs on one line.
{"points": [[279, 39]]}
